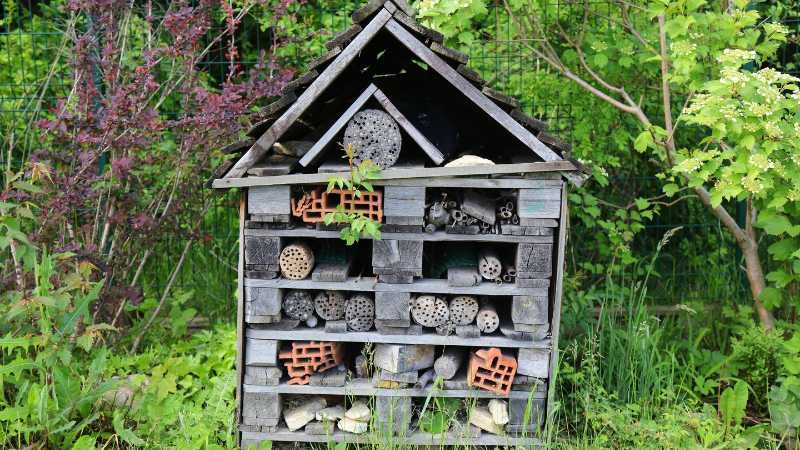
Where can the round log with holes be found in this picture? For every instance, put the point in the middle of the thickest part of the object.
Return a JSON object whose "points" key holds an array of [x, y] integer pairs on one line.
{"points": [[429, 311], [298, 305], [374, 135], [488, 320], [329, 305], [296, 261], [359, 311], [489, 265], [463, 309]]}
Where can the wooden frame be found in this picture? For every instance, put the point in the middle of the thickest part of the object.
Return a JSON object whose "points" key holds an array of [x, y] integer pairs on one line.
{"points": [[371, 92]]}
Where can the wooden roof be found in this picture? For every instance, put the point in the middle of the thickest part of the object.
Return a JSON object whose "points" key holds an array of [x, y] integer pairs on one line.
{"points": [[395, 18]]}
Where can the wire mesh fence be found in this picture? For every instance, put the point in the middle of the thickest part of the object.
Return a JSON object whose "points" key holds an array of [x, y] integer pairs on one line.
{"points": [[31, 40]]}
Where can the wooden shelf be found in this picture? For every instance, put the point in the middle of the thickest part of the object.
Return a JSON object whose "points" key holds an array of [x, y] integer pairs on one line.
{"points": [[414, 438], [364, 387], [423, 285], [438, 236], [426, 338]]}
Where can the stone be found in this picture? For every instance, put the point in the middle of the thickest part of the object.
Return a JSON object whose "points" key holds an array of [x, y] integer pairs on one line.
{"points": [[482, 418], [262, 376], [499, 410], [319, 428], [393, 415], [353, 426], [359, 411], [331, 413], [403, 358], [534, 362], [402, 377], [304, 413], [362, 367]]}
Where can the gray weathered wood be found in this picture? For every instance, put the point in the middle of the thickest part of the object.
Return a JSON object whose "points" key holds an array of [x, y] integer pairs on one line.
{"points": [[426, 145], [261, 405], [557, 294], [262, 302], [269, 200], [390, 6], [301, 81], [438, 236], [308, 96], [449, 363], [273, 165], [331, 271], [240, 323], [409, 22], [394, 254], [449, 53], [392, 308], [262, 376], [478, 205], [471, 75], [531, 123], [261, 352], [370, 284], [463, 276], [341, 39], [534, 258], [498, 96], [391, 174], [404, 205], [542, 203], [261, 250], [470, 91], [427, 337], [405, 7], [563, 147], [363, 13], [534, 362], [327, 57], [529, 309], [316, 151]]}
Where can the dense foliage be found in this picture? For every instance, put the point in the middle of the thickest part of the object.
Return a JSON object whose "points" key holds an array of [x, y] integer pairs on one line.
{"points": [[103, 212]]}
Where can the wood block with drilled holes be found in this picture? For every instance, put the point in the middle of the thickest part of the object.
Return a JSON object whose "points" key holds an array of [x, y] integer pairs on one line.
{"points": [[296, 261], [491, 370]]}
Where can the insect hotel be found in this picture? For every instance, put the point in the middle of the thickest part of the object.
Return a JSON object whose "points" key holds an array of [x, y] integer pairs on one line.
{"points": [[459, 298]]}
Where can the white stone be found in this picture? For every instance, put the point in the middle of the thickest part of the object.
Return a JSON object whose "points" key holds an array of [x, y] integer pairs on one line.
{"points": [[330, 413], [299, 416], [469, 160], [482, 418], [353, 426], [499, 410], [359, 412]]}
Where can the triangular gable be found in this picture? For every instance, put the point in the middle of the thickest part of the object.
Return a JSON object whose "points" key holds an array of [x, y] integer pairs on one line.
{"points": [[383, 20], [372, 92]]}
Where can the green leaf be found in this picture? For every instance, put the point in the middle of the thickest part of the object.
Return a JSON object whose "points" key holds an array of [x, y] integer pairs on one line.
{"points": [[644, 140], [642, 203], [125, 434], [85, 443], [671, 189], [733, 403], [774, 224], [771, 297]]}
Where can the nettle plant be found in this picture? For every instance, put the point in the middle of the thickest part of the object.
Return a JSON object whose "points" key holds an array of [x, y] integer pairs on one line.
{"points": [[359, 179]]}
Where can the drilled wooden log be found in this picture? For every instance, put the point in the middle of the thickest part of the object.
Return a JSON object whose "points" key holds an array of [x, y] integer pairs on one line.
{"points": [[298, 305], [296, 261], [359, 311], [374, 135], [489, 265], [447, 365], [429, 311], [463, 309], [329, 305], [487, 320], [446, 329]]}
